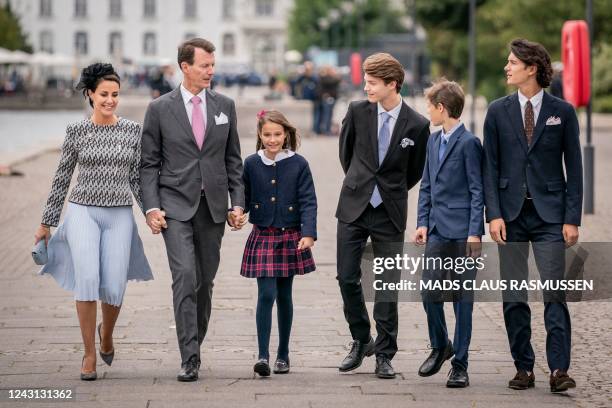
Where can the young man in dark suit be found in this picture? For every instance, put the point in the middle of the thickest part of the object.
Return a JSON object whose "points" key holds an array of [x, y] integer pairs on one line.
{"points": [[382, 152], [450, 221], [533, 193]]}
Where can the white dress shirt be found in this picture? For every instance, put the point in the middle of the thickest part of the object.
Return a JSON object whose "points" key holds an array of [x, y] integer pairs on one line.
{"points": [[536, 102], [189, 105], [394, 113]]}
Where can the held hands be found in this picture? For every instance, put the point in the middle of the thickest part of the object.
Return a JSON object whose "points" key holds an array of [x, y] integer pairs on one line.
{"points": [[420, 236], [156, 220], [497, 230], [42, 232], [236, 218], [305, 243], [570, 234]]}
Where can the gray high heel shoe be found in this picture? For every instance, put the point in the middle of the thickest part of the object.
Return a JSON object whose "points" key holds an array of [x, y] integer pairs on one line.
{"points": [[88, 376], [106, 357]]}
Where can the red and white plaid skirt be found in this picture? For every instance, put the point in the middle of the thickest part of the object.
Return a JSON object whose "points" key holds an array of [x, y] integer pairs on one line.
{"points": [[272, 253]]}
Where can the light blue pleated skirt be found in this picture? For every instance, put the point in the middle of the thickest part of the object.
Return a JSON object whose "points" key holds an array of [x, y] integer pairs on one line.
{"points": [[95, 251]]}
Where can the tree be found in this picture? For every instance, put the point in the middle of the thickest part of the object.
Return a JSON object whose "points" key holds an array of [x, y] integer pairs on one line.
{"points": [[11, 36]]}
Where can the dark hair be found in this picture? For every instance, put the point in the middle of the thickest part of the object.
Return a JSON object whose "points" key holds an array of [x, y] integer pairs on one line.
{"points": [[187, 49], [292, 139], [92, 75], [449, 94], [385, 67], [534, 54]]}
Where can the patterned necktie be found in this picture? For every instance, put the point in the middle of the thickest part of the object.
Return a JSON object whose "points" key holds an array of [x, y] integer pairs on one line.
{"points": [[384, 137], [198, 124], [529, 122], [442, 150]]}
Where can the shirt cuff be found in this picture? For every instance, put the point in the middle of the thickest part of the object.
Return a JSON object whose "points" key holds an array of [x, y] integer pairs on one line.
{"points": [[152, 209]]}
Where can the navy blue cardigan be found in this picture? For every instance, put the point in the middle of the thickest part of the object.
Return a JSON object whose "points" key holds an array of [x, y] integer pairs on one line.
{"points": [[281, 195]]}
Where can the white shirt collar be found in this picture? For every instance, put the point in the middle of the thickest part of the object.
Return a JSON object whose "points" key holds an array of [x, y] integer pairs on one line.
{"points": [[393, 112], [188, 95], [536, 99], [447, 136], [283, 154]]}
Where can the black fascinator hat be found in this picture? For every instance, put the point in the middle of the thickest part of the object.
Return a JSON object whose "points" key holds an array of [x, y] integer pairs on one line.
{"points": [[92, 75]]}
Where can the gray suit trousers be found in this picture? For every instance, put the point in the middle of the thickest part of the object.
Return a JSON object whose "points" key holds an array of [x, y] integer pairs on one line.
{"points": [[193, 248]]}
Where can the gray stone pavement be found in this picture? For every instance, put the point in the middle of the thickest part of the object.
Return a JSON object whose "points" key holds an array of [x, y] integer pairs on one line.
{"points": [[40, 344]]}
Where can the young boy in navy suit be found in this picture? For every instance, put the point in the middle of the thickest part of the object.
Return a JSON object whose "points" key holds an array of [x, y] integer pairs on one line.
{"points": [[450, 221]]}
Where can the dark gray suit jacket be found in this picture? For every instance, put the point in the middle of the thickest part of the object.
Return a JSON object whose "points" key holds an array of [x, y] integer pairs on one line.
{"points": [[173, 169]]}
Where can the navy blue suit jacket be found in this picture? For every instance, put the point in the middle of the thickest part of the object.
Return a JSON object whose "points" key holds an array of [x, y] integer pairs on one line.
{"points": [[281, 195], [451, 196], [511, 167]]}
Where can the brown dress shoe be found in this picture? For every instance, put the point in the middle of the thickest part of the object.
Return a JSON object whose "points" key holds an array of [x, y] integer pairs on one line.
{"points": [[560, 381], [522, 380]]}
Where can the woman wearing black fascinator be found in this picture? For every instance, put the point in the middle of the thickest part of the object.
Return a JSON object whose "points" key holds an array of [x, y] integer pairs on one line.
{"points": [[96, 249]]}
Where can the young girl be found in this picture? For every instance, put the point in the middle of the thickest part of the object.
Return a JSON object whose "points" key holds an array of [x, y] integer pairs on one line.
{"points": [[282, 206]]}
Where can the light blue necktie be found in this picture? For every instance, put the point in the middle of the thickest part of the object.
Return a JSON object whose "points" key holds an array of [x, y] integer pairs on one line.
{"points": [[442, 150], [384, 137]]}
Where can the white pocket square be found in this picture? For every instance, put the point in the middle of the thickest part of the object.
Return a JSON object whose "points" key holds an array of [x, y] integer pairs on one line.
{"points": [[221, 119], [406, 142], [553, 120]]}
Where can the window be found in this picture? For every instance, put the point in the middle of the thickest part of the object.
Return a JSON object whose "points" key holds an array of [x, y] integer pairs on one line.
{"points": [[191, 8], [115, 44], [189, 36], [80, 8], [115, 8], [46, 8], [46, 41], [149, 8], [149, 44], [80, 43], [228, 9], [229, 44], [264, 7]]}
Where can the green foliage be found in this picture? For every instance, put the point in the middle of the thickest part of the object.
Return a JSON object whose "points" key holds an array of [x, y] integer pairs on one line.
{"points": [[367, 19], [11, 36]]}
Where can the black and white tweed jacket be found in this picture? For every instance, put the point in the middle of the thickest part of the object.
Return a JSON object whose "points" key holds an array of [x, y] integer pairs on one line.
{"points": [[109, 163]]}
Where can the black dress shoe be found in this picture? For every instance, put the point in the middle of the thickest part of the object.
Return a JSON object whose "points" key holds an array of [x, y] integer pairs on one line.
{"points": [[384, 369], [355, 357], [189, 371], [281, 366], [434, 362], [262, 367], [457, 378]]}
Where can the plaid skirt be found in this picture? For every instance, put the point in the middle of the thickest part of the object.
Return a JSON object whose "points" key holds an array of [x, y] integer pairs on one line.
{"points": [[272, 253]]}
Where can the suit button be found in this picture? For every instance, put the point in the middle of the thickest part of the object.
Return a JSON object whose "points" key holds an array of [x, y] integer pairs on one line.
{"points": [[290, 208], [273, 181], [256, 206], [273, 199]]}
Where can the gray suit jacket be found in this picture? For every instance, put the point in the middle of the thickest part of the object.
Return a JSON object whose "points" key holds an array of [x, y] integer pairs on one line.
{"points": [[173, 169]]}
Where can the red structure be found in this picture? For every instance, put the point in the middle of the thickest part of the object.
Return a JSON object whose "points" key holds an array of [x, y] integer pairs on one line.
{"points": [[575, 54], [356, 75]]}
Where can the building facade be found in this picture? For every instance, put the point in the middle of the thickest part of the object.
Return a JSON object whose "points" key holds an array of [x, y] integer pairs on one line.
{"points": [[247, 33]]}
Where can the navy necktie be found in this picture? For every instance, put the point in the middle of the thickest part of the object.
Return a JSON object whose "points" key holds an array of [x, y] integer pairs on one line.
{"points": [[442, 150]]}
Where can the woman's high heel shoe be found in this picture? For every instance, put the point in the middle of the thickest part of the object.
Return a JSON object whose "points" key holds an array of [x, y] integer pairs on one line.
{"points": [[106, 357], [87, 376]]}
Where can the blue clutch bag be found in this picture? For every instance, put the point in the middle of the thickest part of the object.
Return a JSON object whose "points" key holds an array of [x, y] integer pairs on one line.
{"points": [[39, 252]]}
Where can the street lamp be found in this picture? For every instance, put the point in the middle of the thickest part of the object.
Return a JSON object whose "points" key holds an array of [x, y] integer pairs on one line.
{"points": [[348, 7], [334, 16]]}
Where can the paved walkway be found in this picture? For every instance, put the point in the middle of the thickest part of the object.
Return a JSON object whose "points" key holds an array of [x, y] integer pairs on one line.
{"points": [[40, 342]]}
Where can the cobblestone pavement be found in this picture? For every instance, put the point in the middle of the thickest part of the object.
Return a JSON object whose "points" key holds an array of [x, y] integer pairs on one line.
{"points": [[40, 343]]}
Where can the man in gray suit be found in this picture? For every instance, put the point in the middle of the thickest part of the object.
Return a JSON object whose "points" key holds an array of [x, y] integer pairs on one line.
{"points": [[190, 161]]}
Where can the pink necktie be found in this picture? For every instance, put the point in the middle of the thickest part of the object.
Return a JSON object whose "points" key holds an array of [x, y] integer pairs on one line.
{"points": [[198, 124]]}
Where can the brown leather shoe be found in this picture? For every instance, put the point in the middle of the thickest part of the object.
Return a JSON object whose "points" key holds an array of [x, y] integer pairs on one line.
{"points": [[522, 380], [560, 381]]}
